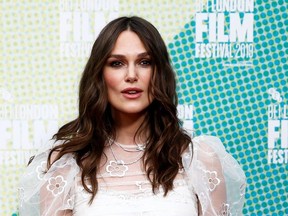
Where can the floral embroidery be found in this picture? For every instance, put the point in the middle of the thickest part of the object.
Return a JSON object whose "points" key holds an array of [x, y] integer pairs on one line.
{"points": [[41, 169], [70, 202], [56, 185], [143, 185], [225, 210], [116, 169], [213, 181]]}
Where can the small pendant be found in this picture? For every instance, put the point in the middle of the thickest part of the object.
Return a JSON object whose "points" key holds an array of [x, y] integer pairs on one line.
{"points": [[120, 162], [117, 168], [140, 147]]}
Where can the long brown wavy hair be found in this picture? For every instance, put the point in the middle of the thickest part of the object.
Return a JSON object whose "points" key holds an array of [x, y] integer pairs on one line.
{"points": [[86, 136]]}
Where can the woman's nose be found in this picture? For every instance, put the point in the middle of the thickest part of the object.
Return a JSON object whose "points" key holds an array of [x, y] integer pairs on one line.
{"points": [[131, 75]]}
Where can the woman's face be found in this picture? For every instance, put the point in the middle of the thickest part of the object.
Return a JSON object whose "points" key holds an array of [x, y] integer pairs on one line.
{"points": [[127, 75]]}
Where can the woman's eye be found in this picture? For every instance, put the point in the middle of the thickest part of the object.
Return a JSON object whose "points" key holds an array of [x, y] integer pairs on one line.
{"points": [[145, 62], [116, 64]]}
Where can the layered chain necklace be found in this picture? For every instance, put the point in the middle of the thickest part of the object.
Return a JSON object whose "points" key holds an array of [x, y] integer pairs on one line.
{"points": [[117, 167], [139, 147]]}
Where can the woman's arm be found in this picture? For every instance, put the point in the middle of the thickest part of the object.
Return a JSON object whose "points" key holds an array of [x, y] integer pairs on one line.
{"points": [[49, 192], [216, 178]]}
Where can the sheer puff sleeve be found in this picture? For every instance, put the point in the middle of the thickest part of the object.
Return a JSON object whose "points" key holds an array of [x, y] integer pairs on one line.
{"points": [[48, 193], [215, 177]]}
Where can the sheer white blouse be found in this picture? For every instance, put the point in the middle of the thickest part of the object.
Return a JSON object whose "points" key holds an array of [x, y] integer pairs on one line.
{"points": [[211, 183]]}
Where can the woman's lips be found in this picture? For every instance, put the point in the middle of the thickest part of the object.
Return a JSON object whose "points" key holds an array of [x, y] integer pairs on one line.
{"points": [[132, 93]]}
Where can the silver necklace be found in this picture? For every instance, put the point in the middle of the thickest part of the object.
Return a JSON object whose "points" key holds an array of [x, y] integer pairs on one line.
{"points": [[118, 168], [139, 147]]}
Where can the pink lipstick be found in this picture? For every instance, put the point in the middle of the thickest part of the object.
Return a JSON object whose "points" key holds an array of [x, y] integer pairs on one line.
{"points": [[132, 92]]}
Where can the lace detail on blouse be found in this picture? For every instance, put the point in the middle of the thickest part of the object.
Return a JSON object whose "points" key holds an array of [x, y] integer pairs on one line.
{"points": [[217, 178], [211, 177], [180, 201]]}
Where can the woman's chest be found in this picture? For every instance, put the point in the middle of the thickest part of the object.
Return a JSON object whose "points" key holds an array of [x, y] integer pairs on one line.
{"points": [[179, 201]]}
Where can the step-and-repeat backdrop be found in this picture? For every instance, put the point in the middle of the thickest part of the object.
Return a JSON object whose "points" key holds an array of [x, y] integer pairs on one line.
{"points": [[230, 57]]}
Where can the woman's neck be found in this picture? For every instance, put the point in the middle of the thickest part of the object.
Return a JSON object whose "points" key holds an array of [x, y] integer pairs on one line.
{"points": [[127, 126]]}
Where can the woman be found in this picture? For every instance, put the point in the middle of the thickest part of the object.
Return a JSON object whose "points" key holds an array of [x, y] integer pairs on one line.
{"points": [[126, 153]]}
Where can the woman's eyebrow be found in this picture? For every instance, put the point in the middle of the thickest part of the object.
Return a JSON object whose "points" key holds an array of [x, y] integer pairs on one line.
{"points": [[116, 56], [144, 54]]}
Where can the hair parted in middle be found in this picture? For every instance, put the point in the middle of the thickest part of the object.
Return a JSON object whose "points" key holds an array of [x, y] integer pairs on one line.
{"points": [[86, 136]]}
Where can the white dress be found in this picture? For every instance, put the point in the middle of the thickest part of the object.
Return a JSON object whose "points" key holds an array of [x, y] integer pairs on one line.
{"points": [[212, 178]]}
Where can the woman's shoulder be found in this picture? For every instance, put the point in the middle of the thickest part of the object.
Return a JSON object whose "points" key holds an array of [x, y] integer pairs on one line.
{"points": [[48, 185], [205, 144], [207, 151], [38, 165], [215, 175], [208, 142]]}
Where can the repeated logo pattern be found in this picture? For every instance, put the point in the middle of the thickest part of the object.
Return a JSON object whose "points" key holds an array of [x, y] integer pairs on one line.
{"points": [[231, 102]]}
